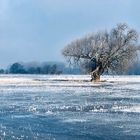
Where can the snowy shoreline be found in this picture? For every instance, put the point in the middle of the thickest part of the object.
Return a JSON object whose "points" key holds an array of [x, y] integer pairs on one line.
{"points": [[64, 80], [84, 78]]}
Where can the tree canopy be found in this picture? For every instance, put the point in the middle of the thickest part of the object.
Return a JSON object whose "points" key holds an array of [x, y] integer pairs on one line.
{"points": [[104, 51]]}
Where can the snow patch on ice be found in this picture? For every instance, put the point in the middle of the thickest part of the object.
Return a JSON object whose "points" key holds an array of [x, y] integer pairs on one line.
{"points": [[129, 109]]}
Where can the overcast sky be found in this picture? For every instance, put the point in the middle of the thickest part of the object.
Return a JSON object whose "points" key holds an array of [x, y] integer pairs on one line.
{"points": [[37, 30]]}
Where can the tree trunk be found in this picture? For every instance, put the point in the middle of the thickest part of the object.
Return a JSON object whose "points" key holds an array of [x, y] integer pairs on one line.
{"points": [[95, 75]]}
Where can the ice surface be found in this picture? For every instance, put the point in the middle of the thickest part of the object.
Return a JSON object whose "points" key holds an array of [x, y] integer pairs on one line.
{"points": [[69, 107]]}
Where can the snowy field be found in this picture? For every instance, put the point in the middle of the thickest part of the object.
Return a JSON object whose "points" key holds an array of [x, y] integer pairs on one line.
{"points": [[69, 107]]}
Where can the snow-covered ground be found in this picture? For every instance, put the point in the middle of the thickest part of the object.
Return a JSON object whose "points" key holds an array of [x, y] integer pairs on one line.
{"points": [[64, 80], [69, 107]]}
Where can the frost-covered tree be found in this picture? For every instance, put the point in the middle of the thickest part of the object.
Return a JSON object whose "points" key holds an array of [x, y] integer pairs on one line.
{"points": [[104, 51]]}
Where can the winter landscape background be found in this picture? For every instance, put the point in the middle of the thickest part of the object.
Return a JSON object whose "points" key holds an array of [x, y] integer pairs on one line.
{"points": [[38, 100]]}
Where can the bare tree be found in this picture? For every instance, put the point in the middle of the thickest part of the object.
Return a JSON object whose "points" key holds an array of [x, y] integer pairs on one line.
{"points": [[112, 51]]}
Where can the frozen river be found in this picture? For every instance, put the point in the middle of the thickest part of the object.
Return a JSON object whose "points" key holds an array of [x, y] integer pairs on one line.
{"points": [[69, 108]]}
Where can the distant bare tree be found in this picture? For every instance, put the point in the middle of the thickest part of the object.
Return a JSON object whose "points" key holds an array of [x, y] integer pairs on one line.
{"points": [[104, 51]]}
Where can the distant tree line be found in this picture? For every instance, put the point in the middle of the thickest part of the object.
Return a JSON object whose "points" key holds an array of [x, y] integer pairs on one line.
{"points": [[54, 68], [36, 68], [134, 70], [18, 68]]}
